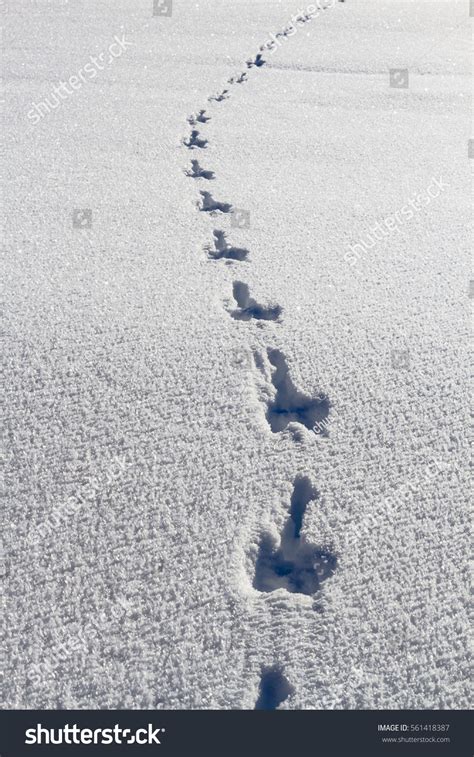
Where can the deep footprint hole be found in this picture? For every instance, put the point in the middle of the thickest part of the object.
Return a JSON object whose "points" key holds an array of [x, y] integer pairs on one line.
{"points": [[197, 172], [209, 205], [296, 566], [222, 249], [195, 141], [274, 689], [290, 405], [249, 309]]}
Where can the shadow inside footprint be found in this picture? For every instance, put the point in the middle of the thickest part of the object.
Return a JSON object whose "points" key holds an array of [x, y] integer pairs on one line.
{"points": [[209, 205], [295, 565], [219, 98], [291, 405], [222, 250], [197, 172], [258, 62], [274, 689], [195, 141], [238, 79], [249, 309], [198, 118]]}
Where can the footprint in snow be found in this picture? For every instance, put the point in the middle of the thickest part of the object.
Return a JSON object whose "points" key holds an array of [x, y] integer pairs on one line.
{"points": [[219, 98], [289, 405], [249, 309], [273, 690], [295, 565], [196, 172], [257, 61], [223, 250], [195, 141], [208, 205], [238, 79], [198, 118]]}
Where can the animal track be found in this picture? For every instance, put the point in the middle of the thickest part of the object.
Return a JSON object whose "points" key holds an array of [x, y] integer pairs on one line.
{"points": [[290, 405], [295, 565], [238, 79], [224, 95], [258, 61], [248, 308], [199, 118], [274, 689], [223, 250], [195, 141], [209, 205], [197, 172]]}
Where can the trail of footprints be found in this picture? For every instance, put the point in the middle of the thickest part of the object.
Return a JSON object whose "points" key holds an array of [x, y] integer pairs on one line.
{"points": [[291, 563]]}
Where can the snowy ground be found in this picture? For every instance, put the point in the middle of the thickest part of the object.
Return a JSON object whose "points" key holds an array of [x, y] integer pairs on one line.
{"points": [[175, 530]]}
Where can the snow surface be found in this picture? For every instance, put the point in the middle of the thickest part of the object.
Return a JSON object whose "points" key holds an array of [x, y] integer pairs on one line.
{"points": [[160, 468]]}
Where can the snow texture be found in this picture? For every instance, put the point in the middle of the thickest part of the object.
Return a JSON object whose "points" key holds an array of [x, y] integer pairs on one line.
{"points": [[236, 284]]}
